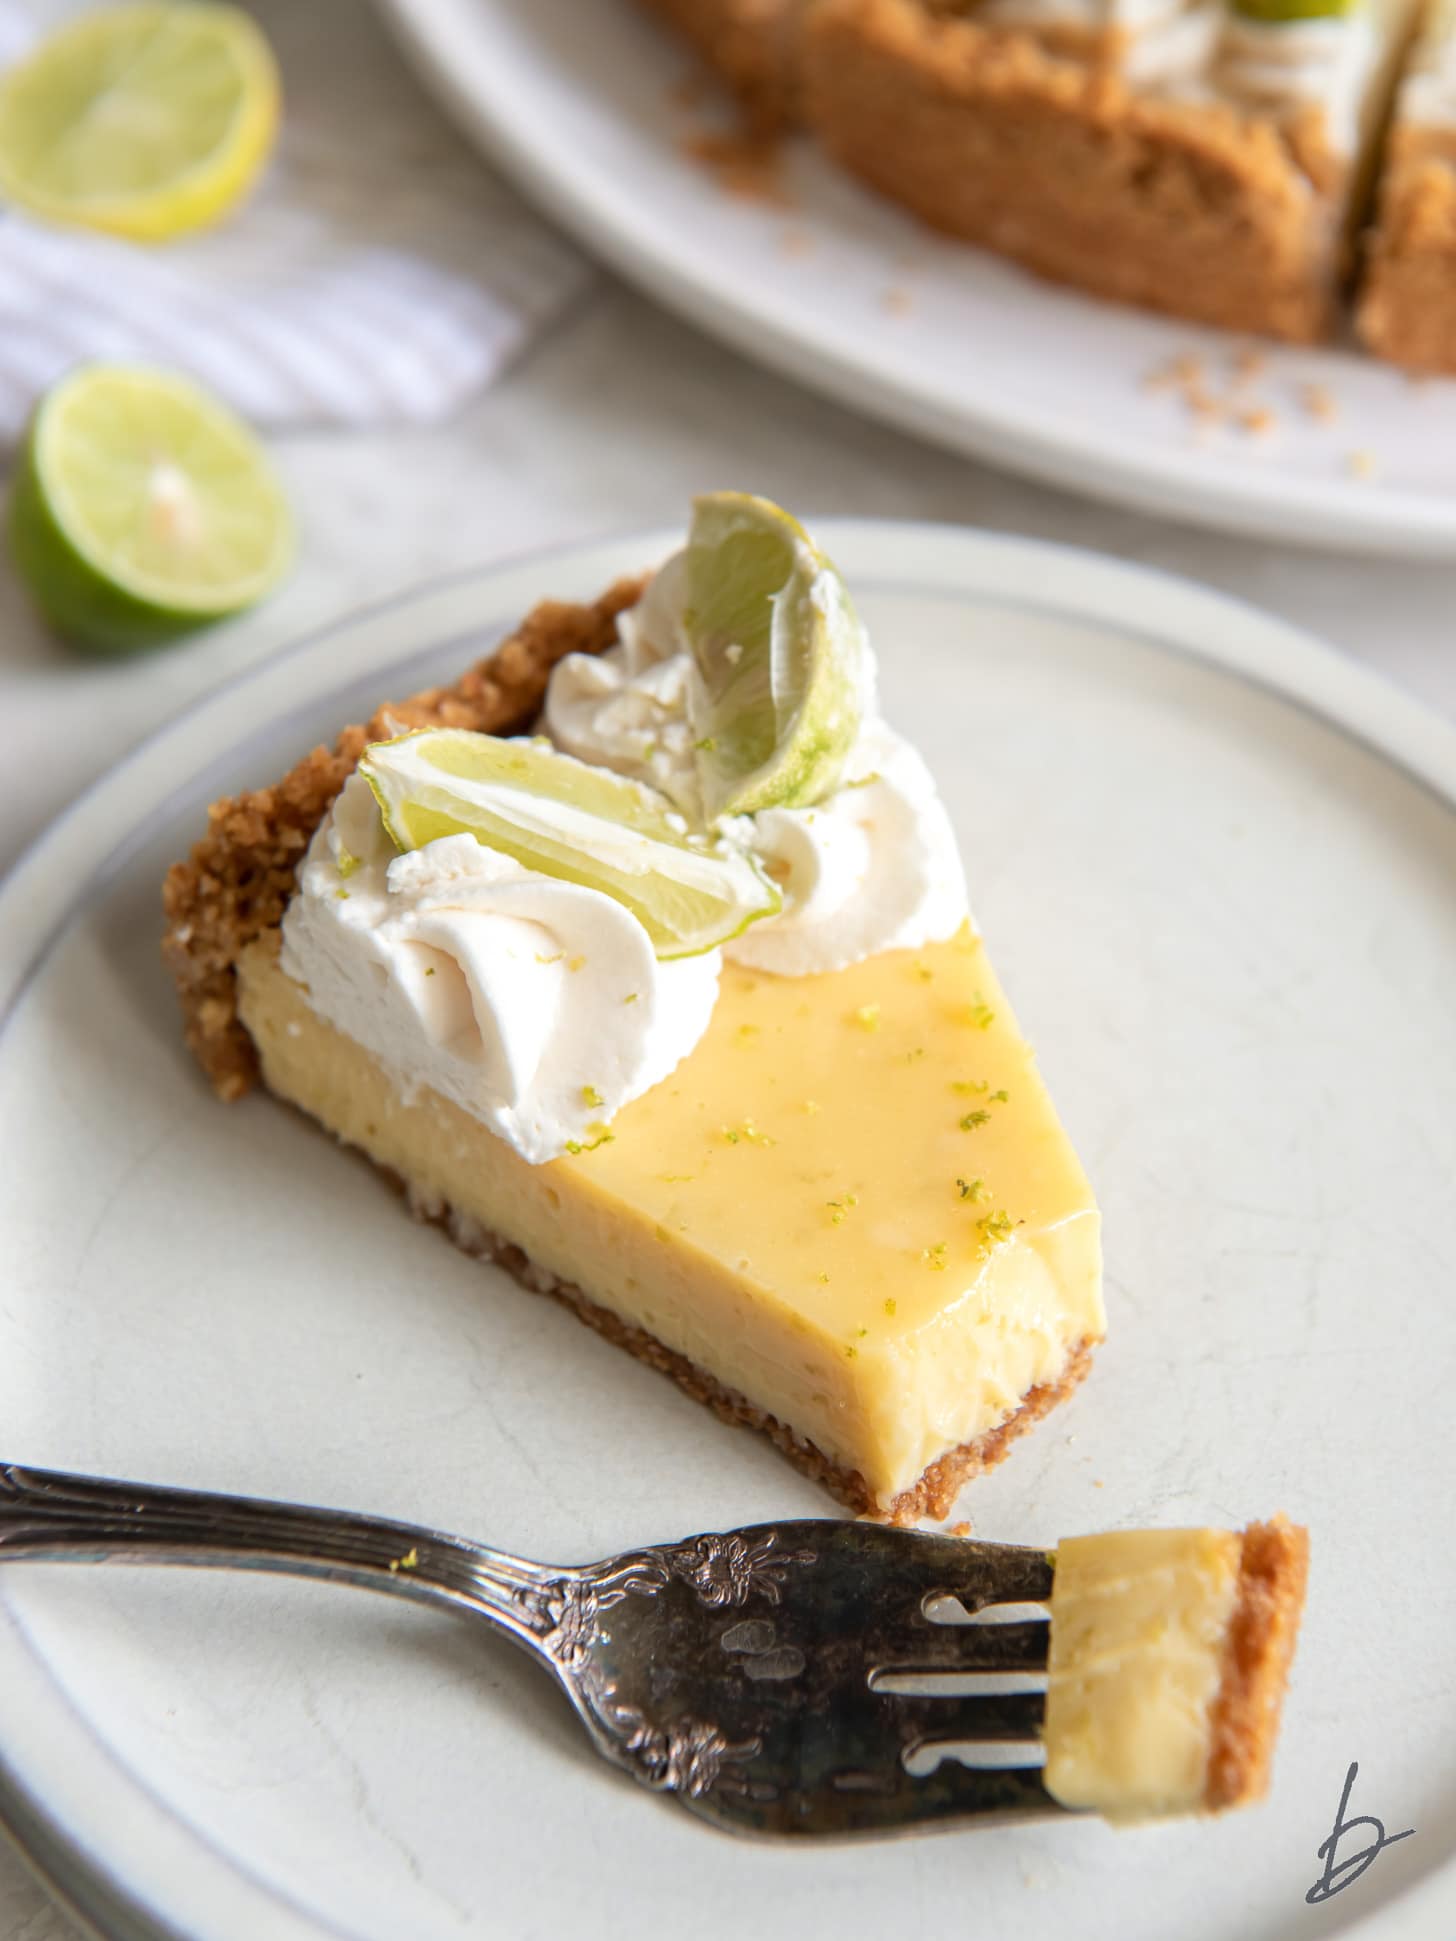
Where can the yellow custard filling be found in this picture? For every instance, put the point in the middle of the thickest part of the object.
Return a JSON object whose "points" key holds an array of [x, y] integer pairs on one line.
{"points": [[1139, 1631], [853, 1204]]}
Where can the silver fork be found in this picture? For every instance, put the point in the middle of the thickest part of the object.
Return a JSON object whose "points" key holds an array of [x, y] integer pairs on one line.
{"points": [[784, 1678]]}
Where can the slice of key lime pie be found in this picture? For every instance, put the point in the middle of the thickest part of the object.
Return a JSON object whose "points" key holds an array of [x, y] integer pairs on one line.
{"points": [[642, 957], [1170, 1654]]}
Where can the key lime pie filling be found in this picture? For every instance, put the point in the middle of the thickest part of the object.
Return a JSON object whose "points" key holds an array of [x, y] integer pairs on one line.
{"points": [[1169, 1657], [643, 958]]}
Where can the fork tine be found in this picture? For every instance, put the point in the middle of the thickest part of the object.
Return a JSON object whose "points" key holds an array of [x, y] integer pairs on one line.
{"points": [[981, 1717], [957, 1647]]}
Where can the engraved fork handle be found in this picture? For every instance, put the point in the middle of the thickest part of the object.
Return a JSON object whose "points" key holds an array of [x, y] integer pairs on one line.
{"points": [[47, 1515]]}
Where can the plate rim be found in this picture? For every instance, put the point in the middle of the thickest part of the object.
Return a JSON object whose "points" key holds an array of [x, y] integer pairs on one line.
{"points": [[1324, 514], [219, 1898]]}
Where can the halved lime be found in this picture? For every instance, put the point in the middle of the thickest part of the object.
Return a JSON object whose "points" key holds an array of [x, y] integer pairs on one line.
{"points": [[566, 819], [778, 651], [150, 121], [143, 508]]}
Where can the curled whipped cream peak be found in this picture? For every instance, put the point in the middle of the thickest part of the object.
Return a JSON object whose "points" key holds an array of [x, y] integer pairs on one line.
{"points": [[627, 709], [875, 867], [538, 1006]]}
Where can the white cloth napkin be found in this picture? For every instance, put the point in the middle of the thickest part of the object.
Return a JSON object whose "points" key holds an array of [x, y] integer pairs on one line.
{"points": [[379, 276]]}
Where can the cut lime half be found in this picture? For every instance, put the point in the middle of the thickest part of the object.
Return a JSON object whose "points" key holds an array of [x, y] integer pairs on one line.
{"points": [[579, 824], [142, 508], [149, 121], [778, 653]]}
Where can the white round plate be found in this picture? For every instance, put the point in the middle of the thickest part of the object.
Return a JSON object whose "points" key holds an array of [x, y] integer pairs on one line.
{"points": [[849, 295], [1217, 866]]}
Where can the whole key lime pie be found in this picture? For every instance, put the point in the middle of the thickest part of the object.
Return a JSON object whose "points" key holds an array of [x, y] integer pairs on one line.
{"points": [[642, 957]]}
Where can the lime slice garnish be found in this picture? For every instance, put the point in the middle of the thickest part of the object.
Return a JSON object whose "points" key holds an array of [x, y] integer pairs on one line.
{"points": [[778, 652], [143, 508], [149, 121], [579, 824]]}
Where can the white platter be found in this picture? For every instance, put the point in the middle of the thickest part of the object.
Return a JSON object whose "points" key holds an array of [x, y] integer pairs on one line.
{"points": [[844, 293], [1217, 865]]}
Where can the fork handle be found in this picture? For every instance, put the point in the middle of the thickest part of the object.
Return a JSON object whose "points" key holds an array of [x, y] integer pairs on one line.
{"points": [[50, 1516]]}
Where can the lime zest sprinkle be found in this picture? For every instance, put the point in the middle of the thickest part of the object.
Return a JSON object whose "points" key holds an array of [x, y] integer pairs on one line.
{"points": [[346, 863], [823, 1279], [409, 1561], [850, 1350], [603, 1138], [924, 973], [867, 1017], [707, 744], [934, 1257], [980, 1015], [429, 970], [811, 1106], [576, 963], [974, 1119], [889, 1304], [591, 1096], [747, 1133], [676, 1179], [631, 997], [972, 1088], [556, 959], [996, 1227], [1000, 1098], [838, 1208], [342, 895], [971, 1189]]}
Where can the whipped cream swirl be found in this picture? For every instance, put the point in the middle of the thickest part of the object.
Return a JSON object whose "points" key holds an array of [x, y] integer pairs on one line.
{"points": [[872, 867], [627, 709], [539, 1007]]}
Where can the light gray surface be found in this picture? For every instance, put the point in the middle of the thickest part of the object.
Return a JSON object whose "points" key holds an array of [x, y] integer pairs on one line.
{"points": [[612, 424]]}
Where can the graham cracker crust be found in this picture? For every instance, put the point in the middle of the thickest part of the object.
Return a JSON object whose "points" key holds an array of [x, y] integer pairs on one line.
{"points": [[999, 137], [238, 878], [1407, 308], [937, 1489], [755, 46], [1244, 1718]]}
